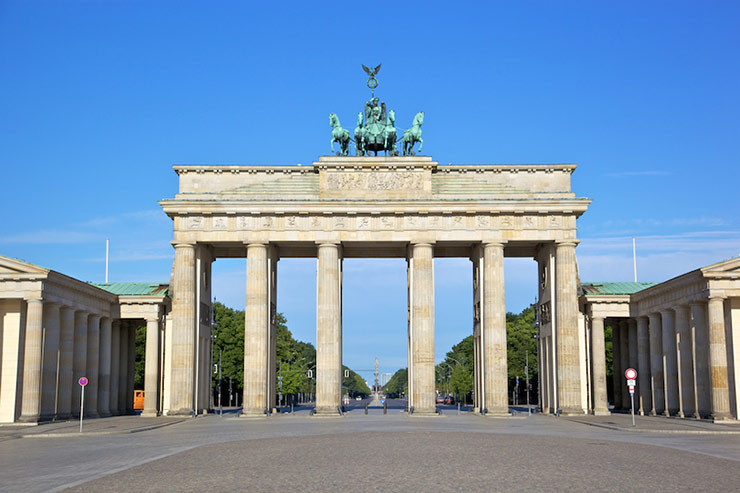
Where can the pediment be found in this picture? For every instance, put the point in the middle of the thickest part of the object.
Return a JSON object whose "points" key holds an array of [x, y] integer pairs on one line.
{"points": [[9, 266], [727, 267]]}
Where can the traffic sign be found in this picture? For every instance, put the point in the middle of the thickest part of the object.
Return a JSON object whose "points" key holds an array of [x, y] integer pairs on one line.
{"points": [[630, 373], [82, 381]]}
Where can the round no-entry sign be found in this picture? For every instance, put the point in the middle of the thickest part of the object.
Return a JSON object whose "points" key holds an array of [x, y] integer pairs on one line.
{"points": [[630, 373], [83, 381]]}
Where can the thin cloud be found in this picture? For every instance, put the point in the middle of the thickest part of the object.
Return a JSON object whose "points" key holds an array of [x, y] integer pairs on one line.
{"points": [[50, 237], [652, 172]]}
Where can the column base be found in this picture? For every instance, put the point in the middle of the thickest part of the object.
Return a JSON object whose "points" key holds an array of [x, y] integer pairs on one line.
{"points": [[175, 412], [571, 411], [724, 418], [253, 413], [426, 413], [601, 412], [330, 412]]}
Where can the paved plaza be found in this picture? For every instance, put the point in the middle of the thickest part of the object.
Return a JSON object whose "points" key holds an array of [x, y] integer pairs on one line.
{"points": [[373, 452]]}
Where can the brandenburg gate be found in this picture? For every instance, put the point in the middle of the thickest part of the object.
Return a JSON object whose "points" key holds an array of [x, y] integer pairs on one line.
{"points": [[399, 206]]}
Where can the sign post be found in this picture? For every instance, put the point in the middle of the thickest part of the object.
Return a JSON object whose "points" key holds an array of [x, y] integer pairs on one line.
{"points": [[82, 381], [631, 375]]}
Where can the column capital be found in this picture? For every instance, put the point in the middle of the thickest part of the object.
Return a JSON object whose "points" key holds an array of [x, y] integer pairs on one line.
{"points": [[567, 243], [183, 244]]}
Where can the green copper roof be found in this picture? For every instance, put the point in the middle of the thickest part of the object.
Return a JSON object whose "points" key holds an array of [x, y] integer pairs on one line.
{"points": [[134, 288], [614, 287]]}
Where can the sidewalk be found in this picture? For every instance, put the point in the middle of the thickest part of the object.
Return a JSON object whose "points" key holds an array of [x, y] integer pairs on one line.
{"points": [[90, 427], [658, 424]]}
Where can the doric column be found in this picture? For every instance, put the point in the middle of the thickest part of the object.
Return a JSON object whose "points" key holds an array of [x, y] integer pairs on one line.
{"points": [[151, 368], [566, 315], [51, 360], [685, 350], [624, 356], [123, 367], [182, 386], [718, 360], [79, 365], [670, 364], [104, 369], [31, 404], [328, 330], [701, 359], [494, 330], [66, 358], [643, 366], [115, 367], [618, 371], [256, 332], [422, 328], [656, 364], [598, 367], [93, 366], [131, 369]]}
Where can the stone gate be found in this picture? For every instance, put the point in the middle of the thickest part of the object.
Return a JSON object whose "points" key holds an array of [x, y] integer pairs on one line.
{"points": [[348, 207]]}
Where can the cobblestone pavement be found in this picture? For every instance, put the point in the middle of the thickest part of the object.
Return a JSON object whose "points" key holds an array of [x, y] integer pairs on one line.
{"points": [[375, 452]]}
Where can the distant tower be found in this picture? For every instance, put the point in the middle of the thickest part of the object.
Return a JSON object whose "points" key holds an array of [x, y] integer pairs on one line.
{"points": [[377, 382]]}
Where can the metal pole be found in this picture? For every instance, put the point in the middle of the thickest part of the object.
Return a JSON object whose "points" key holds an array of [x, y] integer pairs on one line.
{"points": [[526, 372], [220, 406], [634, 257], [82, 406]]}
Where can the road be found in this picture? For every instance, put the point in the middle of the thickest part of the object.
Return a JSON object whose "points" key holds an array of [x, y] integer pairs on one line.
{"points": [[447, 453]]}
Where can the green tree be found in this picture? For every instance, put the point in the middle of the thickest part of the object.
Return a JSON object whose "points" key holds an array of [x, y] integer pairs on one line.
{"points": [[398, 384]]}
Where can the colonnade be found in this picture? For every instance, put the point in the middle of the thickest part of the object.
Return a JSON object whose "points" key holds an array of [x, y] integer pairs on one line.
{"points": [[59, 345], [680, 353], [490, 382]]}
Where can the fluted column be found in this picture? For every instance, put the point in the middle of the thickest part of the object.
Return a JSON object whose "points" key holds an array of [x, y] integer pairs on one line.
{"points": [[151, 368], [617, 370], [256, 332], [328, 330], [566, 314], [718, 360], [115, 367], [701, 359], [494, 330], [598, 367], [670, 363], [182, 372], [31, 404], [66, 359], [624, 355], [131, 368], [685, 358], [49, 375], [123, 366], [79, 366], [104, 369], [656, 364], [645, 404], [93, 366]]}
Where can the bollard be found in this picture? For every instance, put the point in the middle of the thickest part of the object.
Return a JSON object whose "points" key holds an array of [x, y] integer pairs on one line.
{"points": [[366, 408]]}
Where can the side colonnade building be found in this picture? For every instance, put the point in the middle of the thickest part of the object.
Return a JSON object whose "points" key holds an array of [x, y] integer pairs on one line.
{"points": [[682, 336], [55, 329]]}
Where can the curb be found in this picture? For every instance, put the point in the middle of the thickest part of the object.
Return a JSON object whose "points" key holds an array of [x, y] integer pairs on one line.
{"points": [[664, 432], [100, 433]]}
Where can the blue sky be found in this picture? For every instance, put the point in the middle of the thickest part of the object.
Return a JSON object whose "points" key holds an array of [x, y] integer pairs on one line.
{"points": [[99, 98]]}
